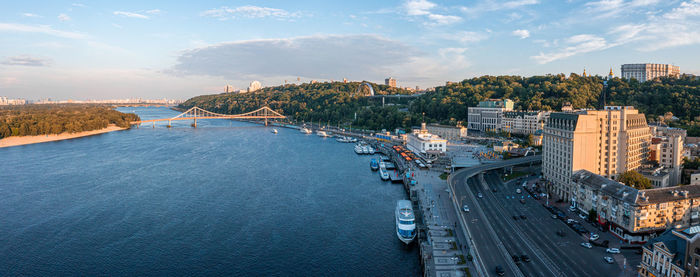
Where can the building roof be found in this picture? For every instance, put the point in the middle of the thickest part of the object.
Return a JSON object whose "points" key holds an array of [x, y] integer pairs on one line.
{"points": [[674, 244], [631, 195]]}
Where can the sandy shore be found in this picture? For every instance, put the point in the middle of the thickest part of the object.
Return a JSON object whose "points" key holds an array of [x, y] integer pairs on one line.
{"points": [[15, 141]]}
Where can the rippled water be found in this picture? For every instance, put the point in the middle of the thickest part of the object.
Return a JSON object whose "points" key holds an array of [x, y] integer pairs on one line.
{"points": [[227, 198]]}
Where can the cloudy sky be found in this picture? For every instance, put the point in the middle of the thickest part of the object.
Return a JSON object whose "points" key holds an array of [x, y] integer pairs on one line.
{"points": [[155, 49]]}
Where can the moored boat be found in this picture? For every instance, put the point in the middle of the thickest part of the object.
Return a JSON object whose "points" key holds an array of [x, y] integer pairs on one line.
{"points": [[305, 131], [374, 165], [405, 221], [322, 134]]}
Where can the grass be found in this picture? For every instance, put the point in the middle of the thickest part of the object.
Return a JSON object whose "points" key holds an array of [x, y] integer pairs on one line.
{"points": [[461, 259], [515, 174], [466, 271], [444, 175]]}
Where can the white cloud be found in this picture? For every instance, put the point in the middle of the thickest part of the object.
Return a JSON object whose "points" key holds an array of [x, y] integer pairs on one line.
{"points": [[153, 11], [130, 14], [523, 34], [610, 8], [115, 25], [78, 5], [42, 29], [466, 36], [685, 10], [30, 15], [424, 7], [489, 6], [224, 13], [26, 60], [63, 17], [577, 44]]}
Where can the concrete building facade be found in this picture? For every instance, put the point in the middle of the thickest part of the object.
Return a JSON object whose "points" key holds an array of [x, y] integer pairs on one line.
{"points": [[675, 253], [608, 142], [635, 215], [254, 85], [390, 82], [454, 133], [668, 147], [488, 114], [523, 122], [421, 141], [649, 71]]}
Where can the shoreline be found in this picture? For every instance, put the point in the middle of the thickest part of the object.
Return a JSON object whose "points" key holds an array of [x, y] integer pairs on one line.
{"points": [[25, 140]]}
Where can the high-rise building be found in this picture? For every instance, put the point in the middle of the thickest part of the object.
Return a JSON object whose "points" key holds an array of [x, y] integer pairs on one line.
{"points": [[254, 85], [607, 142], [667, 145], [390, 82], [649, 71], [488, 114]]}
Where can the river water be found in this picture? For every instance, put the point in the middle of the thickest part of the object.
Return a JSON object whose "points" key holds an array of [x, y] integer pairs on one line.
{"points": [[227, 198]]}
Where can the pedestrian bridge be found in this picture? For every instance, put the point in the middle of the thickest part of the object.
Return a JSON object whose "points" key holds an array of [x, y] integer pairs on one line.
{"points": [[194, 113]]}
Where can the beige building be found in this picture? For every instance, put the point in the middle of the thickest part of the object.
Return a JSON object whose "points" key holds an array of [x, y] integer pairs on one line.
{"points": [[634, 215], [488, 114], [668, 147], [454, 133], [695, 179], [254, 85], [525, 123], [390, 82], [649, 71], [675, 253], [608, 142]]}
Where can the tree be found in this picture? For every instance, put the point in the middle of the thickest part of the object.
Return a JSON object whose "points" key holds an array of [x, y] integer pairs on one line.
{"points": [[592, 215], [530, 140], [635, 179]]}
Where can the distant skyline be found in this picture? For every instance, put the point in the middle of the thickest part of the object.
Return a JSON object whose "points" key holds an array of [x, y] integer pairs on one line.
{"points": [[156, 49]]}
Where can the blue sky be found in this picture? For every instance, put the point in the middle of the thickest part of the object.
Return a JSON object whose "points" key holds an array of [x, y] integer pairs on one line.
{"points": [[155, 49]]}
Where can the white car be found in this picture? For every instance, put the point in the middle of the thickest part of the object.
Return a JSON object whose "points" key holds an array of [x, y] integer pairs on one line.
{"points": [[587, 245], [518, 191], [582, 216], [465, 208], [595, 237], [612, 250], [608, 259], [572, 208], [480, 195]]}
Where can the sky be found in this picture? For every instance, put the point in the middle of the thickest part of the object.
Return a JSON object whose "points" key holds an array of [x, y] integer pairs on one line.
{"points": [[180, 49]]}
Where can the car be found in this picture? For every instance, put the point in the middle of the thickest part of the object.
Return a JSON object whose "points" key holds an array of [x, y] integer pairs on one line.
{"points": [[500, 271], [522, 216], [516, 259], [572, 208], [595, 237], [494, 190], [561, 233], [525, 258], [518, 191], [522, 201], [480, 195], [582, 216], [465, 208], [587, 245], [612, 251], [515, 217], [608, 259], [554, 216], [571, 221]]}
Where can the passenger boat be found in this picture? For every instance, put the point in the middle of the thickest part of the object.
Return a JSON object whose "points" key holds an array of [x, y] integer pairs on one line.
{"points": [[274, 131], [374, 165], [405, 221], [365, 149], [358, 149], [371, 150], [322, 134], [383, 173], [305, 131]]}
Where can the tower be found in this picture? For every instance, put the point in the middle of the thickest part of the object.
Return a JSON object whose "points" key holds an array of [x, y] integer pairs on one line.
{"points": [[611, 74], [584, 72]]}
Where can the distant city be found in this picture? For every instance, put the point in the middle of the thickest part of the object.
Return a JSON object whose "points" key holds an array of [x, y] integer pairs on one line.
{"points": [[4, 101]]}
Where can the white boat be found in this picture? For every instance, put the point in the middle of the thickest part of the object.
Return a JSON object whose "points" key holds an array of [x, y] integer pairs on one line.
{"points": [[371, 150], [383, 173], [305, 130], [274, 131], [405, 221], [358, 149], [322, 134], [365, 149]]}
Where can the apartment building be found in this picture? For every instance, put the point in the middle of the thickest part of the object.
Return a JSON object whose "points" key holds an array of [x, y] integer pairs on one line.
{"points": [[524, 122], [675, 253], [454, 133], [608, 142], [488, 114], [648, 71], [668, 149], [634, 215]]}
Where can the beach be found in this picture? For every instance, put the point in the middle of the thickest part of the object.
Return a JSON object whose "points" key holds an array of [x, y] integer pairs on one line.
{"points": [[16, 141]]}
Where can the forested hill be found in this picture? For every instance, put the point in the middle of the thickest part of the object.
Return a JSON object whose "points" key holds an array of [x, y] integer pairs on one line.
{"points": [[448, 104], [32, 120]]}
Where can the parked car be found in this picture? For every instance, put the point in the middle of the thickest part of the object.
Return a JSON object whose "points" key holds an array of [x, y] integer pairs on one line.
{"points": [[518, 191], [525, 258], [554, 216], [465, 208], [516, 259], [522, 216], [494, 190], [570, 221], [515, 217], [608, 259], [595, 237], [582, 216], [612, 251], [480, 195], [586, 245], [522, 201], [561, 233], [500, 271]]}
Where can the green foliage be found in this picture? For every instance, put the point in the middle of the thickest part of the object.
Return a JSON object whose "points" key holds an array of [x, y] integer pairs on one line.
{"points": [[336, 103], [634, 179], [32, 120], [592, 215], [444, 175], [687, 163]]}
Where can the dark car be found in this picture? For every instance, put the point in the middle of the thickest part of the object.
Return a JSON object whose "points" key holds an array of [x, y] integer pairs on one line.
{"points": [[522, 216], [515, 217], [525, 258], [500, 271], [522, 201], [494, 190], [561, 233], [516, 259]]}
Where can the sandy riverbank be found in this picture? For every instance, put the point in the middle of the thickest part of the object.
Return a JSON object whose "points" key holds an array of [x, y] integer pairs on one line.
{"points": [[15, 141]]}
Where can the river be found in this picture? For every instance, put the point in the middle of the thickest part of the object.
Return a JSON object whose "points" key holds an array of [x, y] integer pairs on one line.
{"points": [[227, 198]]}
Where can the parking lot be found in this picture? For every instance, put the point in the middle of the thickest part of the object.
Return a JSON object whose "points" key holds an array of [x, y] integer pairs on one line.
{"points": [[526, 227]]}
